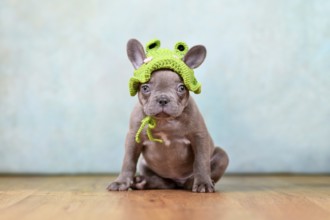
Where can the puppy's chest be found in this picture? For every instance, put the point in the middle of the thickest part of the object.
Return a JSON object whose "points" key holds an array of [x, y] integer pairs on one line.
{"points": [[174, 152], [171, 134], [174, 148], [172, 139]]}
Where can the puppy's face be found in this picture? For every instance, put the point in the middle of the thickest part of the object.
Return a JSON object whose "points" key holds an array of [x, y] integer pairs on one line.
{"points": [[164, 96]]}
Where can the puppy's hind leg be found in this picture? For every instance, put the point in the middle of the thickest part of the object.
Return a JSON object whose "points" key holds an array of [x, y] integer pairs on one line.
{"points": [[150, 180], [219, 163]]}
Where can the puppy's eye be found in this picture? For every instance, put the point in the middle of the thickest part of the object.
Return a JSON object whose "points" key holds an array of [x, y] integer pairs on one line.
{"points": [[181, 88], [145, 88]]}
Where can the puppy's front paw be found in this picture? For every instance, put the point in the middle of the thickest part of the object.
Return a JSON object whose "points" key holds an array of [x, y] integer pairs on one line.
{"points": [[203, 186], [120, 185]]}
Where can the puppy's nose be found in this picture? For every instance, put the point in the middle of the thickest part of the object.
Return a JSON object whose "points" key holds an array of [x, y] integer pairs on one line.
{"points": [[163, 100]]}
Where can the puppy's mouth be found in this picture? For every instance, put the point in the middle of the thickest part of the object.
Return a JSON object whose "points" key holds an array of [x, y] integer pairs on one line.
{"points": [[162, 114]]}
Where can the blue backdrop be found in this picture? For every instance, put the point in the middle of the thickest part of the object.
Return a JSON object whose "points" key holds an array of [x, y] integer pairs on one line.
{"points": [[64, 75]]}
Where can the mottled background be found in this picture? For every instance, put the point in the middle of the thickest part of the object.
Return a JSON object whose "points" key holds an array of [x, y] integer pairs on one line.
{"points": [[64, 98]]}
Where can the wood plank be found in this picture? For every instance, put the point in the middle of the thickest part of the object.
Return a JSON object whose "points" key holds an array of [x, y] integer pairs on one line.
{"points": [[237, 197]]}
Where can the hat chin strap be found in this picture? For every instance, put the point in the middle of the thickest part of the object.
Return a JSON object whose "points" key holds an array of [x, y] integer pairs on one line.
{"points": [[150, 122]]}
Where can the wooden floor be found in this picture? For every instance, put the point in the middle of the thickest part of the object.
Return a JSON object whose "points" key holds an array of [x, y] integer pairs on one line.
{"points": [[237, 197]]}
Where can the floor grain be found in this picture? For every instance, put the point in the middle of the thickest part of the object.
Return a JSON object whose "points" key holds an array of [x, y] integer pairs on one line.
{"points": [[237, 197]]}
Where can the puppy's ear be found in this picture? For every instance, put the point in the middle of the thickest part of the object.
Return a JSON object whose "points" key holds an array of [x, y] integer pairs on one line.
{"points": [[135, 53], [195, 56]]}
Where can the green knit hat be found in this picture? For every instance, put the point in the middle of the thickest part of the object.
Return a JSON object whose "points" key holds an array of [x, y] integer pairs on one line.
{"points": [[162, 58]]}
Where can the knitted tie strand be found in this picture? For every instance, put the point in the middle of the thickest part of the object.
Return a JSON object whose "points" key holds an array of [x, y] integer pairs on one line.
{"points": [[151, 124]]}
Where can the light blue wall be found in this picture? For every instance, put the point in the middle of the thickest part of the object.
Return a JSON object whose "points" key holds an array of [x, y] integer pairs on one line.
{"points": [[64, 100]]}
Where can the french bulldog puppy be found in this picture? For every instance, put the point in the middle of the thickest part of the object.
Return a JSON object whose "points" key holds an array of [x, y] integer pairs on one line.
{"points": [[187, 158]]}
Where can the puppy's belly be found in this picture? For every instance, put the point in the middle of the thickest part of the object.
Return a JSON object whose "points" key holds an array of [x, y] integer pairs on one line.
{"points": [[172, 159]]}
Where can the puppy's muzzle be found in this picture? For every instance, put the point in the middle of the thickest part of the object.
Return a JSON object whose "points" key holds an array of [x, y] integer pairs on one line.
{"points": [[163, 100]]}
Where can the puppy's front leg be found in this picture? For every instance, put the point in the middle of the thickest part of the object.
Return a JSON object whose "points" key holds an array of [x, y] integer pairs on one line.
{"points": [[202, 165], [126, 177]]}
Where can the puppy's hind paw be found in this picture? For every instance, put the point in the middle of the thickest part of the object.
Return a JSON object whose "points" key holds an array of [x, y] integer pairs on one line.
{"points": [[139, 182]]}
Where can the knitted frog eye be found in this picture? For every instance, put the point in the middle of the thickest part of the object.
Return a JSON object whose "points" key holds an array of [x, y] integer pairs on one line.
{"points": [[181, 48], [152, 45]]}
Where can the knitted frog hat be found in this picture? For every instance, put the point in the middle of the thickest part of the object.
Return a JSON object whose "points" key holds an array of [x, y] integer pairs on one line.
{"points": [[180, 60], [162, 58]]}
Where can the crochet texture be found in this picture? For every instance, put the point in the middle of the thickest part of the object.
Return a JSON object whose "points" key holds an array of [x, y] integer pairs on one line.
{"points": [[162, 58]]}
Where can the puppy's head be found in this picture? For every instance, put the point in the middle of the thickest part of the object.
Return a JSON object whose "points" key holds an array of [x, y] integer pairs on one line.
{"points": [[165, 94]]}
